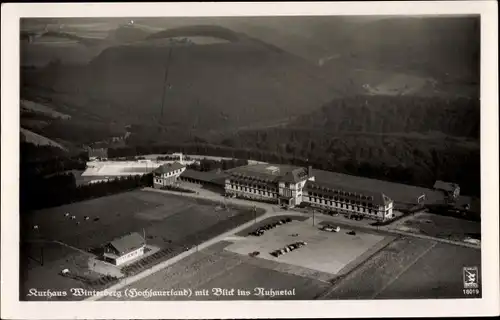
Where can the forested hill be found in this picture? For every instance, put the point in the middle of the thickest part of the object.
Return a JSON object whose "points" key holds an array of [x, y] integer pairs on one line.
{"points": [[413, 140], [459, 117]]}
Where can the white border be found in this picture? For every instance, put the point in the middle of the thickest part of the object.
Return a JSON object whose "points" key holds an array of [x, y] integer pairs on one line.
{"points": [[11, 308]]}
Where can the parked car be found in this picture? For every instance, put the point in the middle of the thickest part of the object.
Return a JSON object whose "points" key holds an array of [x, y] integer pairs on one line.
{"points": [[352, 233], [254, 254], [330, 228]]}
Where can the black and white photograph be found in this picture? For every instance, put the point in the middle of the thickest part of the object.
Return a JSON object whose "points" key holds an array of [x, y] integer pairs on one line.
{"points": [[305, 157]]}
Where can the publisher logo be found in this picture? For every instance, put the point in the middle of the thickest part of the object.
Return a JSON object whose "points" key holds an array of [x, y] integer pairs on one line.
{"points": [[471, 277]]}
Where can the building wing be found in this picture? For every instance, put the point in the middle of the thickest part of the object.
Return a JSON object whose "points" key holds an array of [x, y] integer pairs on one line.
{"points": [[208, 177], [347, 192]]}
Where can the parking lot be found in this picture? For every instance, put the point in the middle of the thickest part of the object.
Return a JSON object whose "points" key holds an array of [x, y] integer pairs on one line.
{"points": [[325, 251]]}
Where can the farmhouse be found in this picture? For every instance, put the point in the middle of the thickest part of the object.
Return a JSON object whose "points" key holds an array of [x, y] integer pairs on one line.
{"points": [[124, 249], [167, 174], [290, 186], [451, 190]]}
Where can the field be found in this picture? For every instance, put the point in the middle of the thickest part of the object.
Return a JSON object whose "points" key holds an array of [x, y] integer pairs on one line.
{"points": [[408, 268], [171, 223], [216, 268], [392, 268], [122, 168], [440, 226]]}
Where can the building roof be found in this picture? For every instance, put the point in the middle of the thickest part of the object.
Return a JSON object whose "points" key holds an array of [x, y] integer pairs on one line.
{"points": [[445, 186], [401, 193], [169, 167], [269, 173], [128, 243], [295, 175], [210, 176], [349, 192]]}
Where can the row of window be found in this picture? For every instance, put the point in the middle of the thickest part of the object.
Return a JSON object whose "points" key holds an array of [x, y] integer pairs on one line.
{"points": [[168, 174], [129, 255], [340, 205], [343, 193], [341, 199], [260, 192], [162, 180], [255, 186]]}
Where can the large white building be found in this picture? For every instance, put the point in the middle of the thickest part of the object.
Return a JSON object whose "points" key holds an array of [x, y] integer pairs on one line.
{"points": [[290, 186]]}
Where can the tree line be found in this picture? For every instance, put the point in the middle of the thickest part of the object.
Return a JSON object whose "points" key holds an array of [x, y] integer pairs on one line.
{"points": [[223, 164], [43, 192], [396, 159]]}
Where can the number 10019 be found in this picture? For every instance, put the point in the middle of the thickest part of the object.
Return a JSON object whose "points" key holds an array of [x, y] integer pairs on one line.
{"points": [[471, 291]]}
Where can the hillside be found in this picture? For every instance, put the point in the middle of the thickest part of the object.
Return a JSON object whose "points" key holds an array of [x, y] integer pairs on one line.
{"points": [[223, 84], [458, 117], [38, 140], [31, 107], [426, 56]]}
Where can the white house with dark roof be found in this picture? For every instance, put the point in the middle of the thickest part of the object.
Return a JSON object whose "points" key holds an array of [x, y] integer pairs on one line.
{"points": [[167, 174], [124, 249]]}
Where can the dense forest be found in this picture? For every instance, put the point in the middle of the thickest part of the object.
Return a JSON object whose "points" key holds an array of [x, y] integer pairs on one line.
{"points": [[412, 140], [459, 117]]}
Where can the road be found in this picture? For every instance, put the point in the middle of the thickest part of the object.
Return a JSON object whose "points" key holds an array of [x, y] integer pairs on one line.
{"points": [[209, 195], [270, 211]]}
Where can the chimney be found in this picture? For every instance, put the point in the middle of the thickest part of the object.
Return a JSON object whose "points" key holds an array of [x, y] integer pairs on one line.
{"points": [[180, 158]]}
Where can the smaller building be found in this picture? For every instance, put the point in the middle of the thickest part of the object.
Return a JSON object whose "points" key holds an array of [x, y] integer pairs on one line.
{"points": [[124, 249], [451, 190], [98, 154], [167, 174]]}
